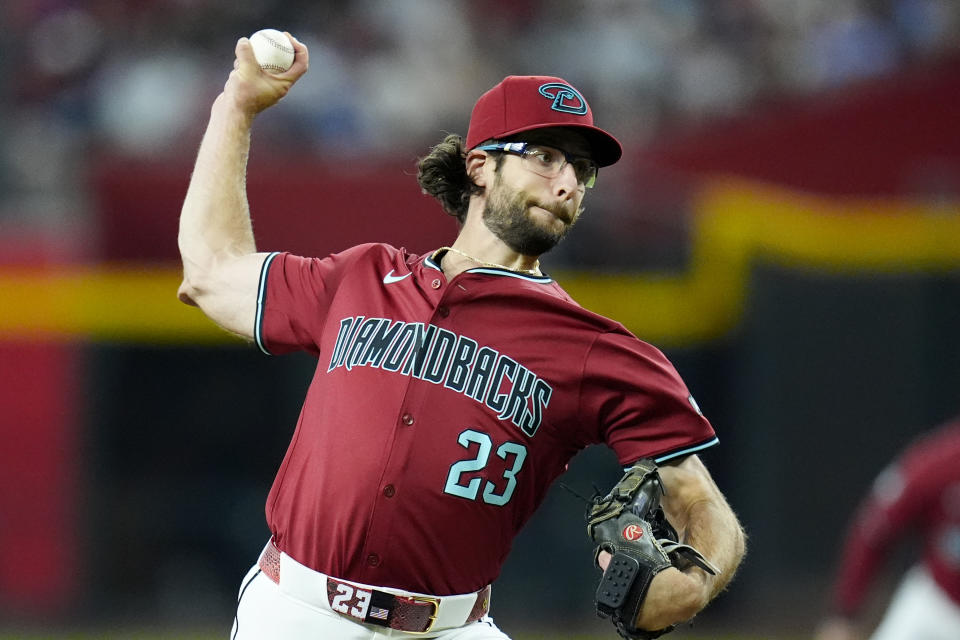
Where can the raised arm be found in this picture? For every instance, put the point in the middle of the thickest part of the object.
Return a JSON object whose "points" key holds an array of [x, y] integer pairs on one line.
{"points": [[220, 265]]}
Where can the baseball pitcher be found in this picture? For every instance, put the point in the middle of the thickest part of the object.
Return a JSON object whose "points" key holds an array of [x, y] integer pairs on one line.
{"points": [[452, 388]]}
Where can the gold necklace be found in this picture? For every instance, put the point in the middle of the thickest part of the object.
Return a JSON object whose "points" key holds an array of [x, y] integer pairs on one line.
{"points": [[534, 272]]}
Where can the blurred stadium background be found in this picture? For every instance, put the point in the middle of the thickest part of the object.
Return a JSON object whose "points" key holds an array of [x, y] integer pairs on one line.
{"points": [[784, 225]]}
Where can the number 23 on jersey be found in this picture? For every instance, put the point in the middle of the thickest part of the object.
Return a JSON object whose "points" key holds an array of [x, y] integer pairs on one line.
{"points": [[512, 453]]}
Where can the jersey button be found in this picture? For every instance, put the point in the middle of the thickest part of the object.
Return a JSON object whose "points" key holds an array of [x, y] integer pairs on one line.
{"points": [[373, 560], [407, 419], [436, 283], [443, 312], [389, 491]]}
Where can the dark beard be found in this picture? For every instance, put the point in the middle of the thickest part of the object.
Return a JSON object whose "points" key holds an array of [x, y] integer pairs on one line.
{"points": [[506, 217]]}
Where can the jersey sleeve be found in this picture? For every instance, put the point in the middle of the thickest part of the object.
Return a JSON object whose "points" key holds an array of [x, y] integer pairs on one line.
{"points": [[639, 404], [293, 298]]}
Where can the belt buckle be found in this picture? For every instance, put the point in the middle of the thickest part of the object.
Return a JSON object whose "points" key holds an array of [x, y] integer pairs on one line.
{"points": [[433, 617]]}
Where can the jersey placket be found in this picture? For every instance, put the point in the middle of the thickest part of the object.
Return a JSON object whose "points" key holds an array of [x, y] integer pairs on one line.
{"points": [[407, 426]]}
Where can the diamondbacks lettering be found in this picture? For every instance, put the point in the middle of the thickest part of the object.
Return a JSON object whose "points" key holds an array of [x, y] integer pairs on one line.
{"points": [[442, 357]]}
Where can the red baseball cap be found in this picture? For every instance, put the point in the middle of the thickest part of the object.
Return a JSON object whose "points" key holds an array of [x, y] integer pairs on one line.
{"points": [[523, 103]]}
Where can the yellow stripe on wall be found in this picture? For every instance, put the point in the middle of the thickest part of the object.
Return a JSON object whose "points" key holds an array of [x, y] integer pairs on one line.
{"points": [[126, 304], [735, 223], [830, 233], [738, 222]]}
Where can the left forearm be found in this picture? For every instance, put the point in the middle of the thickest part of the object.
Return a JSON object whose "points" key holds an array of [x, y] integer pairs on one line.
{"points": [[696, 508], [714, 530], [704, 520]]}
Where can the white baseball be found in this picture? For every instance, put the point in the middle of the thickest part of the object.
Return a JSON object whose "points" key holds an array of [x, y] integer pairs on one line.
{"points": [[273, 50]]}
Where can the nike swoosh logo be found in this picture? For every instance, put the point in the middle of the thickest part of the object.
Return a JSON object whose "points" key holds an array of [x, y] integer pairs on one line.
{"points": [[390, 278]]}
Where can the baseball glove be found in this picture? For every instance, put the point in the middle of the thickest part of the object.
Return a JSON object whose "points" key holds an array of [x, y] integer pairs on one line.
{"points": [[629, 523]]}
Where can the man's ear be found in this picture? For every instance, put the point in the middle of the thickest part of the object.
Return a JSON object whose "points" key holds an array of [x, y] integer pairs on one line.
{"points": [[476, 161]]}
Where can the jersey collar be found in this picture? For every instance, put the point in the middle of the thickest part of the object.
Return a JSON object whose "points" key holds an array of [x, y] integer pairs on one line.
{"points": [[431, 262]]}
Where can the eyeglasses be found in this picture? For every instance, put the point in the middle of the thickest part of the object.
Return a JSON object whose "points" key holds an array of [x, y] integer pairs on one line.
{"points": [[548, 161]]}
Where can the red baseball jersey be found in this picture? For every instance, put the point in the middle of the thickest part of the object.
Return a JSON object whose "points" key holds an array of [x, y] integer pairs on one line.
{"points": [[919, 494], [441, 412]]}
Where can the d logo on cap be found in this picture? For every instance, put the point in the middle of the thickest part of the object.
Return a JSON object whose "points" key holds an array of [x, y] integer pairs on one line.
{"points": [[525, 103], [565, 98]]}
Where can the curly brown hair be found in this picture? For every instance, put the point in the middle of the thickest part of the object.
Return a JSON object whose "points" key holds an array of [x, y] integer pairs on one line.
{"points": [[442, 173]]}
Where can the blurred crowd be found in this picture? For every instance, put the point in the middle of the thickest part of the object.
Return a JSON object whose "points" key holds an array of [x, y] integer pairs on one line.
{"points": [[82, 78]]}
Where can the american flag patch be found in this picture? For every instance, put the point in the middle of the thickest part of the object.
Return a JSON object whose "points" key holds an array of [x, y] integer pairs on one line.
{"points": [[379, 613]]}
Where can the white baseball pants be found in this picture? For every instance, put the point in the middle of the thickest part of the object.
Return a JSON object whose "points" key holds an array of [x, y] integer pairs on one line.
{"points": [[919, 610]]}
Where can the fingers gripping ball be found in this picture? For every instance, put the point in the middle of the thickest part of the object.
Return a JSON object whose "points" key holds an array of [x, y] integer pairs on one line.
{"points": [[629, 524], [273, 50]]}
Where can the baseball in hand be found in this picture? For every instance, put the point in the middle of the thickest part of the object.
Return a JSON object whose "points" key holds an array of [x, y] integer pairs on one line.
{"points": [[272, 49]]}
